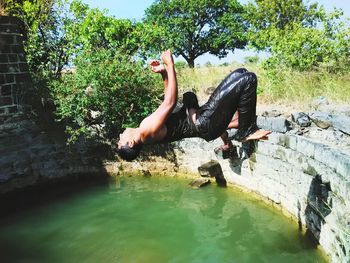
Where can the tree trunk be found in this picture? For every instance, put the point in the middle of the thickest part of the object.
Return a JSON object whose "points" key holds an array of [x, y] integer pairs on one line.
{"points": [[190, 63]]}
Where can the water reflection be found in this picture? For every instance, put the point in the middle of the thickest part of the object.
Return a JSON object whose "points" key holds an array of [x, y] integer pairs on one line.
{"points": [[136, 219]]}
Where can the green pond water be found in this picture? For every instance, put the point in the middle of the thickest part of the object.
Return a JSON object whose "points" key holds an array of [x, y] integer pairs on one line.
{"points": [[157, 219]]}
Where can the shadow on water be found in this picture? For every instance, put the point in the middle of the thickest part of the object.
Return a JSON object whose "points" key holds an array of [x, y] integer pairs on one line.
{"points": [[32, 197]]}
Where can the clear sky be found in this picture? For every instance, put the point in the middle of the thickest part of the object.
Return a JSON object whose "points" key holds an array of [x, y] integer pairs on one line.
{"points": [[134, 9]]}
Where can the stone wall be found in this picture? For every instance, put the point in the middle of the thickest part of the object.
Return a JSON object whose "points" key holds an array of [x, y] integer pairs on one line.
{"points": [[303, 172], [14, 76], [33, 148]]}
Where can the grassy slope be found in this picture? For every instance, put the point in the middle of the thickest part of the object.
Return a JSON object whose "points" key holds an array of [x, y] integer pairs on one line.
{"points": [[281, 87]]}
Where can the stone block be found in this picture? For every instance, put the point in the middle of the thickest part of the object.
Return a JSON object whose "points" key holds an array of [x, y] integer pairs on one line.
{"points": [[23, 67], [4, 101], [327, 156], [6, 90], [342, 123], [200, 182], [3, 68], [22, 77], [210, 169], [12, 58], [301, 118], [5, 49], [10, 78], [21, 57], [343, 164], [3, 58], [306, 147], [8, 29], [17, 49], [321, 119], [13, 68], [7, 38], [277, 124]]}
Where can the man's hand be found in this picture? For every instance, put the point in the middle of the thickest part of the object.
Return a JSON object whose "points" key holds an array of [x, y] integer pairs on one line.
{"points": [[167, 58], [156, 67]]}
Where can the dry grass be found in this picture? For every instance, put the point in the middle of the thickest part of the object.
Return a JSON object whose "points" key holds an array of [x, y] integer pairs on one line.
{"points": [[284, 86]]}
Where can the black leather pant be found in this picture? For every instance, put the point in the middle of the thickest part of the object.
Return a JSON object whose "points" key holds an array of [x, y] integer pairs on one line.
{"points": [[236, 91]]}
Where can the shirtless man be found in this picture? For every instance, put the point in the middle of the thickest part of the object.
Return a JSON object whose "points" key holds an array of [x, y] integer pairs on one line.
{"points": [[236, 91]]}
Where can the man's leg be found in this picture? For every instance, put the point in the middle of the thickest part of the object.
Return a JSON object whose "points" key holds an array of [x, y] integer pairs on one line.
{"points": [[214, 116]]}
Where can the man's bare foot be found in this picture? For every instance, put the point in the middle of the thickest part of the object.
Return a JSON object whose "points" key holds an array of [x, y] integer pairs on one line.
{"points": [[224, 148], [258, 135]]}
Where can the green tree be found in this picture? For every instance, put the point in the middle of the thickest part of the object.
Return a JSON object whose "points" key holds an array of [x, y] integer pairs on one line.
{"points": [[195, 27], [92, 28], [297, 34], [103, 94]]}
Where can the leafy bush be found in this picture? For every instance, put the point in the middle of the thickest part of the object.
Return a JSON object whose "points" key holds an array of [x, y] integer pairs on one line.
{"points": [[299, 35], [105, 91]]}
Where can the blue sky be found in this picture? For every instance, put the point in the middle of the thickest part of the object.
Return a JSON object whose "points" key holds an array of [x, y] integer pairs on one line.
{"points": [[134, 9]]}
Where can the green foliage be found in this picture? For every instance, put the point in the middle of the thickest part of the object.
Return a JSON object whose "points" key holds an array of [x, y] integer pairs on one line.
{"points": [[179, 65], [298, 35], [251, 59], [93, 28], [107, 88], [194, 27], [45, 44]]}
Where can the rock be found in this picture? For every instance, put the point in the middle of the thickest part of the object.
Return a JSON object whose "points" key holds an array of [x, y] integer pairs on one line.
{"points": [[320, 101], [200, 182], [210, 169], [321, 119], [342, 123], [213, 169], [301, 118], [276, 124], [230, 154], [272, 113]]}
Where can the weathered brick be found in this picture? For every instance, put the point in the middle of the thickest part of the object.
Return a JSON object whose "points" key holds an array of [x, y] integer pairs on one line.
{"points": [[5, 49], [10, 78], [12, 58], [6, 101], [17, 49], [10, 29], [21, 57], [3, 58], [8, 38], [23, 77], [6, 90], [12, 109], [13, 67], [11, 20], [3, 68], [2, 79], [306, 147], [23, 67]]}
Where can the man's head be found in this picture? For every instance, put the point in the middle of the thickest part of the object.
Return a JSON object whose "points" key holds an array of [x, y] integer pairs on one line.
{"points": [[129, 144]]}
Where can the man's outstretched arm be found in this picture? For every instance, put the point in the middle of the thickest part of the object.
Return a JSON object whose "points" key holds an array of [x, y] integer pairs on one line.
{"points": [[153, 126], [156, 67]]}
